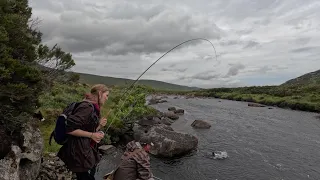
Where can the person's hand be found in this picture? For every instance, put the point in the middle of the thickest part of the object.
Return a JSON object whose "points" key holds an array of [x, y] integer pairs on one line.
{"points": [[97, 136], [103, 122]]}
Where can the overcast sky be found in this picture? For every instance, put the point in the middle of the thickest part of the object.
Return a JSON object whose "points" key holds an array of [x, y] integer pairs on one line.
{"points": [[258, 42]]}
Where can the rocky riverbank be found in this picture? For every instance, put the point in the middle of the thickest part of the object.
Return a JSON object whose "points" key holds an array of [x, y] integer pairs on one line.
{"points": [[27, 161]]}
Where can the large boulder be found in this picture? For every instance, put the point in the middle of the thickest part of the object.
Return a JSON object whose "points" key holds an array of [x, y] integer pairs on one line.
{"points": [[167, 142], [201, 124], [172, 109], [23, 162]]}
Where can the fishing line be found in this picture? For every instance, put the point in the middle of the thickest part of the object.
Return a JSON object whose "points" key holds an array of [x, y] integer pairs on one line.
{"points": [[130, 88]]}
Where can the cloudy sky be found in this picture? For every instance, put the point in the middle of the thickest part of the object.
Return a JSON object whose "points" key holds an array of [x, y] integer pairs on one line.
{"points": [[258, 42]]}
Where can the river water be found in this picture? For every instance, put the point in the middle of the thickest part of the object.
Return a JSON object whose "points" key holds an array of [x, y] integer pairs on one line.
{"points": [[261, 143]]}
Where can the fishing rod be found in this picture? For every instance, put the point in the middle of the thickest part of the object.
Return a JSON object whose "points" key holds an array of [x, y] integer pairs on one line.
{"points": [[130, 88]]}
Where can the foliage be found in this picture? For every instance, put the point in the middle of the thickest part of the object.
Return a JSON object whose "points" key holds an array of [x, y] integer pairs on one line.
{"points": [[74, 78], [21, 83], [21, 79], [126, 108], [306, 98]]}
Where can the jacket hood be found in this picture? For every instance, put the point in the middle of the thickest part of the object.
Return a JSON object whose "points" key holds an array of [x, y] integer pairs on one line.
{"points": [[132, 145]]}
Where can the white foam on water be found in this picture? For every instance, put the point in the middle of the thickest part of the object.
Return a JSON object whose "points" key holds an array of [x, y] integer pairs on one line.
{"points": [[220, 155]]}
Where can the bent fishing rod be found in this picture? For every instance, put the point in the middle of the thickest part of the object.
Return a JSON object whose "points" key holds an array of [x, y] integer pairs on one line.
{"points": [[130, 88]]}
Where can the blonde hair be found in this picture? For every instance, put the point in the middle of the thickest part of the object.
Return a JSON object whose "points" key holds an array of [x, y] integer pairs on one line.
{"points": [[98, 88]]}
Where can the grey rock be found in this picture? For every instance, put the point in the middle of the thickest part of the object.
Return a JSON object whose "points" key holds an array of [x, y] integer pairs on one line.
{"points": [[201, 124], [171, 115], [179, 111], [256, 105], [166, 121], [107, 149], [24, 163], [167, 142], [149, 122]]}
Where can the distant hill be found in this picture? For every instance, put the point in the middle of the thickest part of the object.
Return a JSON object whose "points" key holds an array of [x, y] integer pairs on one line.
{"points": [[94, 79], [312, 78]]}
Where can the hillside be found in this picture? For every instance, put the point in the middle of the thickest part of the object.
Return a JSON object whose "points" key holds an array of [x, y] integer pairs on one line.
{"points": [[94, 79], [312, 78], [301, 93]]}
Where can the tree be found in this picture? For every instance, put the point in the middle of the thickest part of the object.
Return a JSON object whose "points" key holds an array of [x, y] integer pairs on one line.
{"points": [[21, 80]]}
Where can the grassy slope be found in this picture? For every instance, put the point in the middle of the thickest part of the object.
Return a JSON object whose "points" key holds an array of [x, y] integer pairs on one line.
{"points": [[94, 79], [312, 78]]}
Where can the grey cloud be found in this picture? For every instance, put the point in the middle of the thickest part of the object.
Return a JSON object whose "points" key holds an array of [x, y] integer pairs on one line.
{"points": [[304, 49], [229, 42], [204, 76], [181, 70], [302, 40], [246, 44], [138, 30], [234, 69], [244, 32], [264, 69], [251, 44], [262, 22]]}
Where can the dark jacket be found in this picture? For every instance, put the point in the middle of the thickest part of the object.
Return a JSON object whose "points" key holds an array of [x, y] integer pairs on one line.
{"points": [[77, 153], [135, 167]]}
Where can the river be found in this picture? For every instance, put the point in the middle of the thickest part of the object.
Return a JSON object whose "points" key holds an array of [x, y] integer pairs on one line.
{"points": [[261, 143]]}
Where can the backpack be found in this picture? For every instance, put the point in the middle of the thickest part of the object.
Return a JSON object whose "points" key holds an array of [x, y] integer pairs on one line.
{"points": [[59, 133]]}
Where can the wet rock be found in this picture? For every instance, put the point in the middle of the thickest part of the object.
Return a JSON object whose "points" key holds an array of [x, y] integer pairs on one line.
{"points": [[170, 115], [190, 96], [172, 109], [156, 100], [175, 97], [166, 121], [256, 105], [107, 149], [147, 121], [167, 142], [179, 111], [162, 101], [201, 124]]}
